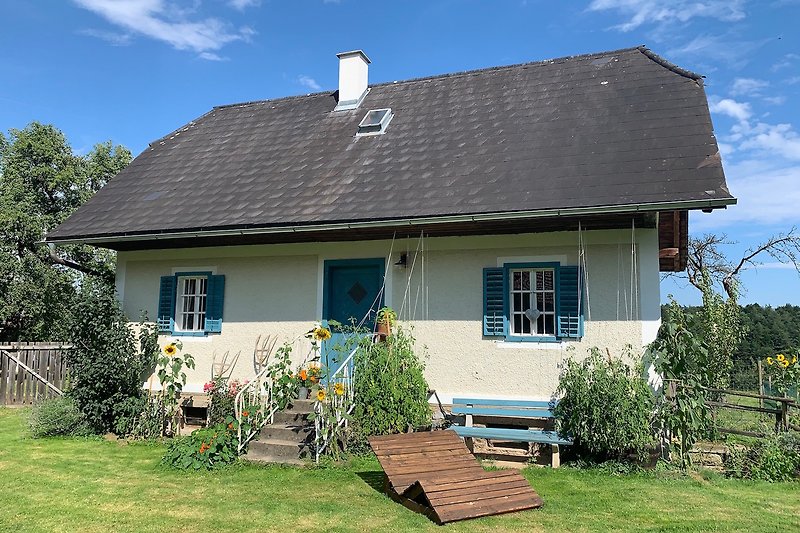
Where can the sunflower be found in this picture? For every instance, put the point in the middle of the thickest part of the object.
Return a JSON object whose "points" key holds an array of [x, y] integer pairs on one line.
{"points": [[781, 357], [769, 360], [303, 374], [170, 349], [785, 363], [322, 334], [321, 395], [794, 359], [338, 389]]}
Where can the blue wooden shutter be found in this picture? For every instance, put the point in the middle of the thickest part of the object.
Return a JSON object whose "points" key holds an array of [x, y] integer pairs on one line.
{"points": [[570, 302], [494, 308], [215, 303], [166, 304]]}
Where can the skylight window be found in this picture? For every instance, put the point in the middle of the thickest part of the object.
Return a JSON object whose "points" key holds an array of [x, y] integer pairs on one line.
{"points": [[375, 122]]}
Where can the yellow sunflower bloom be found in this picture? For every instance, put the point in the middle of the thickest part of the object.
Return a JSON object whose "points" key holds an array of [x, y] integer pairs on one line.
{"points": [[794, 359], [769, 360], [338, 389], [322, 334], [785, 363], [321, 395], [781, 357], [170, 350]]}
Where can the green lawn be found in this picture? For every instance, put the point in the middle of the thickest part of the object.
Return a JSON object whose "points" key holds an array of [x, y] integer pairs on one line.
{"points": [[94, 485]]}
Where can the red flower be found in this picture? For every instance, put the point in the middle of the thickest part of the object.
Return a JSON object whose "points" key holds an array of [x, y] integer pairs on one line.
{"points": [[208, 386]]}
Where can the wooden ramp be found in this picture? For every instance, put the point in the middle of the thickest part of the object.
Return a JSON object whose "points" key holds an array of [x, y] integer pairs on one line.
{"points": [[434, 473]]}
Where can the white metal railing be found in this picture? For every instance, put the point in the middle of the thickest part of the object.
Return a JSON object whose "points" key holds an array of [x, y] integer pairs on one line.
{"points": [[343, 404], [255, 394]]}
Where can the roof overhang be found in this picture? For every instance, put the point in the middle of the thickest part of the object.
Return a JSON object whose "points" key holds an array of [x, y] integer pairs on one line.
{"points": [[287, 230]]}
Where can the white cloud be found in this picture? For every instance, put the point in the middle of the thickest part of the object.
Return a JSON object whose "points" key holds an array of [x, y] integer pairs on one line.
{"points": [[727, 106], [768, 194], [714, 49], [167, 23], [241, 5], [211, 56], [641, 12], [775, 100], [309, 82], [113, 38], [785, 62], [748, 87], [779, 139]]}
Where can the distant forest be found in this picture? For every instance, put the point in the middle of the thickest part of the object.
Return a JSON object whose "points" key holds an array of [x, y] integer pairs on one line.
{"points": [[770, 330]]}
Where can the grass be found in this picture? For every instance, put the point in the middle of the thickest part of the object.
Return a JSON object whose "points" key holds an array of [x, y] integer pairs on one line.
{"points": [[96, 485]]}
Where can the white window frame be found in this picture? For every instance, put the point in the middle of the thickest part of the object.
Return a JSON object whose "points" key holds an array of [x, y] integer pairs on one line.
{"points": [[199, 305], [533, 292]]}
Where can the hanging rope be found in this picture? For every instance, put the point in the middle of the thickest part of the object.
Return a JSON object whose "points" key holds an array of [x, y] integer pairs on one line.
{"points": [[585, 272], [406, 299], [634, 274]]}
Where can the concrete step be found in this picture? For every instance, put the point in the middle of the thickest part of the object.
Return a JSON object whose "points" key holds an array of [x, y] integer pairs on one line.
{"points": [[301, 406], [287, 432], [279, 449], [291, 416], [261, 457]]}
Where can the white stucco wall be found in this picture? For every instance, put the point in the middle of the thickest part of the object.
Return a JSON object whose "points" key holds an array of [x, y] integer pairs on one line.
{"points": [[277, 290]]}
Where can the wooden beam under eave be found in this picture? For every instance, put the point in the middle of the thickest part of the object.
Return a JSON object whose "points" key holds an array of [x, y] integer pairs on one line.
{"points": [[673, 240]]}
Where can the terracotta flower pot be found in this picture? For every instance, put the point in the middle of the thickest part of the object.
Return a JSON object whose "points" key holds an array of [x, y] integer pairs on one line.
{"points": [[383, 330]]}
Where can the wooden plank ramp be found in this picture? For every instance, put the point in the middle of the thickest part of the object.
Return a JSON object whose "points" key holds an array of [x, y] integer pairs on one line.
{"points": [[434, 473]]}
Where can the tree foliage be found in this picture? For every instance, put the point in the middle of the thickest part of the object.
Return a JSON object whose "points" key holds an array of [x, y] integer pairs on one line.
{"points": [[42, 181], [391, 394], [108, 362], [605, 406]]}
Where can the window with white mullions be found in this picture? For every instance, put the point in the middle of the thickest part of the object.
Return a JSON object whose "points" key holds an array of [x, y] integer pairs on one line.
{"points": [[191, 308], [532, 302]]}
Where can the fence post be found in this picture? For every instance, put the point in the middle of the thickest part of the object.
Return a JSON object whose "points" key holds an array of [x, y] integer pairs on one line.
{"points": [[760, 384]]}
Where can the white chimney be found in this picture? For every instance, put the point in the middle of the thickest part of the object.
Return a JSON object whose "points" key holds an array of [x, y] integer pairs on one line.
{"points": [[353, 79]]}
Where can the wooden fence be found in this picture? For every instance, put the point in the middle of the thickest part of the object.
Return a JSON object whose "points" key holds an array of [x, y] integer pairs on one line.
{"points": [[31, 371]]}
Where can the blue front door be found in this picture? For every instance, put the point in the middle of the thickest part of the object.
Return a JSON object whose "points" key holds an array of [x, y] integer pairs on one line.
{"points": [[352, 292]]}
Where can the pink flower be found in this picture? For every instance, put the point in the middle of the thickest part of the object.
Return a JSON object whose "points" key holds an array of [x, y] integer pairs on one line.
{"points": [[208, 386]]}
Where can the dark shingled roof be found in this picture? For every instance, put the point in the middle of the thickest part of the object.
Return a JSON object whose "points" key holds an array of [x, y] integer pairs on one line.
{"points": [[621, 128]]}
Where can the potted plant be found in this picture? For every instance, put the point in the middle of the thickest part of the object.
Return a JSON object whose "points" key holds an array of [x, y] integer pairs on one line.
{"points": [[385, 320], [307, 377]]}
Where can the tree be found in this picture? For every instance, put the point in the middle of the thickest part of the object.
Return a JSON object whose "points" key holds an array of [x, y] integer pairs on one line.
{"points": [[41, 183], [705, 256]]}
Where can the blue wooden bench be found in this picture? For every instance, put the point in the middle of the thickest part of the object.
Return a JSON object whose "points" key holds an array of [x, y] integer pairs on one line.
{"points": [[534, 412]]}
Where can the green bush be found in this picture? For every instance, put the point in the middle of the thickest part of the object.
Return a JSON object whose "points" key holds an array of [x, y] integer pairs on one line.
{"points": [[606, 407], [108, 362], [391, 394], [221, 399], [57, 417], [204, 449], [776, 458]]}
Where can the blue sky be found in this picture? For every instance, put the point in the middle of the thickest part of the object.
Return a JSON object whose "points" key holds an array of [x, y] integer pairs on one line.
{"points": [[134, 70]]}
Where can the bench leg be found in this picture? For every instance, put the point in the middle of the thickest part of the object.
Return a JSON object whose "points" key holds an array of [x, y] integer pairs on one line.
{"points": [[470, 444], [555, 460]]}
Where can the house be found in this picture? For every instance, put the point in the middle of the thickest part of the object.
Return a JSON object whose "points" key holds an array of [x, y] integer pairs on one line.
{"points": [[509, 214]]}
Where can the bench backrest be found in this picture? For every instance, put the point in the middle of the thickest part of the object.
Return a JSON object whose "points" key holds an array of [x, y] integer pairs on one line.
{"points": [[507, 408]]}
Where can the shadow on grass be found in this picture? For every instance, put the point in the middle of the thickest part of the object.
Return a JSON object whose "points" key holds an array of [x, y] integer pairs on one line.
{"points": [[374, 479]]}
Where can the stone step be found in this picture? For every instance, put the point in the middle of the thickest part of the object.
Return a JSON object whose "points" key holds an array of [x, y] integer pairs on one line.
{"points": [[291, 416], [279, 449], [287, 432], [301, 406], [260, 457]]}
